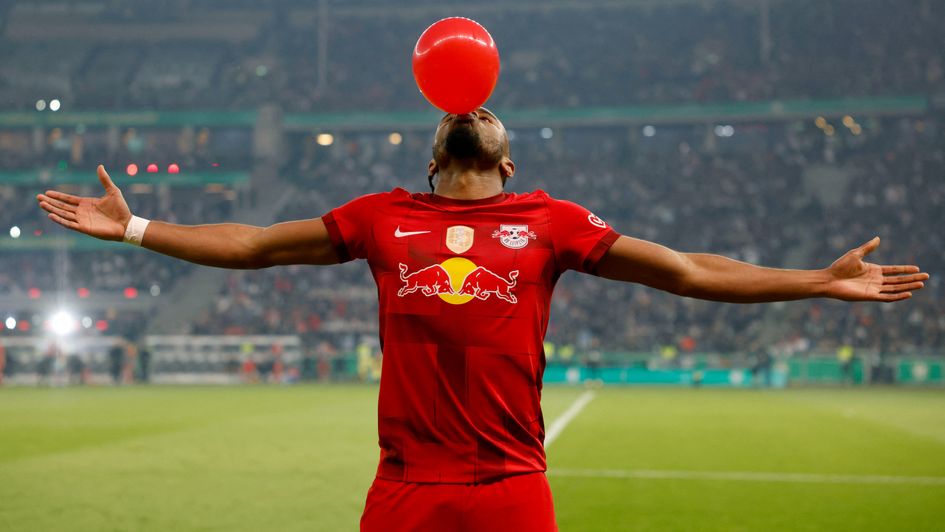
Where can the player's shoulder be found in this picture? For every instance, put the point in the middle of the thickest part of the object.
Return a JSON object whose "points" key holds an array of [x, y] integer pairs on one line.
{"points": [[369, 206], [569, 213], [394, 194], [380, 198], [550, 201], [540, 199], [535, 198], [535, 195], [539, 202]]}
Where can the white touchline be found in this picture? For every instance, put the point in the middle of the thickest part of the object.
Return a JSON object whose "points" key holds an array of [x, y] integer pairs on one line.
{"points": [[558, 425], [748, 476]]}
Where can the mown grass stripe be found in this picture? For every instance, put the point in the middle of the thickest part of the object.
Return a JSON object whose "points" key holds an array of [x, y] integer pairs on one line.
{"points": [[748, 476]]}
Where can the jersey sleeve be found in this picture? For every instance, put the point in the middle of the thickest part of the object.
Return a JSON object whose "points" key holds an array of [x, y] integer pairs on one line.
{"points": [[350, 226], [579, 237]]}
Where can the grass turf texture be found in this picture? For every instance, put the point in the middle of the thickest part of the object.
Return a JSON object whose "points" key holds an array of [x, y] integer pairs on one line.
{"points": [[302, 458]]}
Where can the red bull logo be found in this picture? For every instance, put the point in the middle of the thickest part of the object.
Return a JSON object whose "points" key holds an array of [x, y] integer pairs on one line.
{"points": [[429, 281], [482, 283], [457, 281]]}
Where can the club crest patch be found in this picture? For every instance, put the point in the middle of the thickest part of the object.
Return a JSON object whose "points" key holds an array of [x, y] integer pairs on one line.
{"points": [[514, 236], [459, 238]]}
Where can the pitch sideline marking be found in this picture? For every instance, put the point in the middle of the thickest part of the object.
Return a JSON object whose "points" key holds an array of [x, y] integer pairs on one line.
{"points": [[559, 424], [748, 476]]}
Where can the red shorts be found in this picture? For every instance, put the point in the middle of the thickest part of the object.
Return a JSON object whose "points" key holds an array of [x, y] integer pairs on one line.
{"points": [[521, 503]]}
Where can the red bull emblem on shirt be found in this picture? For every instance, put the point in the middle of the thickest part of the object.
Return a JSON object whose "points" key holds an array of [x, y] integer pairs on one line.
{"points": [[458, 281]]}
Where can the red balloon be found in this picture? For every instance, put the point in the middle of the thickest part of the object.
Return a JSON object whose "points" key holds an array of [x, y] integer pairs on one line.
{"points": [[456, 64]]}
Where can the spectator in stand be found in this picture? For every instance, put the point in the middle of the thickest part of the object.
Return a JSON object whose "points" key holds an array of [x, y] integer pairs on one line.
{"points": [[116, 361]]}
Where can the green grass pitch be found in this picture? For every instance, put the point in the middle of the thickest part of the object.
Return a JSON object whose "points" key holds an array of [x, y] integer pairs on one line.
{"points": [[302, 458]]}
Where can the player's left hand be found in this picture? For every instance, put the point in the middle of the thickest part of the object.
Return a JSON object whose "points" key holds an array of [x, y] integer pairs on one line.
{"points": [[853, 279]]}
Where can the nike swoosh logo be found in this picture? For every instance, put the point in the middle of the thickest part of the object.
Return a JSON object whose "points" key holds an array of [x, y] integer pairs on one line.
{"points": [[400, 234]]}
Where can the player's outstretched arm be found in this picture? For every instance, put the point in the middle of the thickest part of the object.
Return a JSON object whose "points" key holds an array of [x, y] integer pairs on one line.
{"points": [[221, 245], [717, 278]]}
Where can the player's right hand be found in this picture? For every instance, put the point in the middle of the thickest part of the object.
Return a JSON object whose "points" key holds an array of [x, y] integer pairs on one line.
{"points": [[105, 217]]}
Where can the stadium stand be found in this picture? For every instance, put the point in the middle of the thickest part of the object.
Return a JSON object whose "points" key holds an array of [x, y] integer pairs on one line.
{"points": [[771, 189], [667, 54]]}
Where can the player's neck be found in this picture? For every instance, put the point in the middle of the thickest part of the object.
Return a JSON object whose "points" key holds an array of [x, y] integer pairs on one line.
{"points": [[469, 184]]}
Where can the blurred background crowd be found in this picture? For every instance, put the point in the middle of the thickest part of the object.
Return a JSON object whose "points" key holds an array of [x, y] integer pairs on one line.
{"points": [[784, 191], [596, 54]]}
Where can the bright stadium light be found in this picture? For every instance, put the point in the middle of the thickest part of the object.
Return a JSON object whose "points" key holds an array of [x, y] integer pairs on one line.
{"points": [[62, 323], [40, 105], [15, 232], [10, 323], [649, 131], [325, 139], [54, 105], [395, 138], [546, 133]]}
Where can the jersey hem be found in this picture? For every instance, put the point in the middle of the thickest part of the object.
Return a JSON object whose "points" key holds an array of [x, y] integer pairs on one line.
{"points": [[484, 480]]}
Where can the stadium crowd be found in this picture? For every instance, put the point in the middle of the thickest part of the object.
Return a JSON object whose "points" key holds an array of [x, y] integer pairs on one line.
{"points": [[687, 52], [681, 187], [745, 203], [743, 196], [751, 195]]}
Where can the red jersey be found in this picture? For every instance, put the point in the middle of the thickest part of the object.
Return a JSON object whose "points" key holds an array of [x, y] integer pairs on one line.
{"points": [[464, 288]]}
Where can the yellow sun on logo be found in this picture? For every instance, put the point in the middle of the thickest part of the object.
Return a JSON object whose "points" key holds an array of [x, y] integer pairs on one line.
{"points": [[458, 268]]}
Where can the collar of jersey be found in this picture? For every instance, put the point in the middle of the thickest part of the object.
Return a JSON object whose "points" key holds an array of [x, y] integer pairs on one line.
{"points": [[443, 200]]}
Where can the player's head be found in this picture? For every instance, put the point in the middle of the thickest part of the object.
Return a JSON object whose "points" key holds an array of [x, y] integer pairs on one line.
{"points": [[474, 140]]}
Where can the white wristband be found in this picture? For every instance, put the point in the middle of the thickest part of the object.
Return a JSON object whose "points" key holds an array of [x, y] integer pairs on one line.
{"points": [[134, 232]]}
